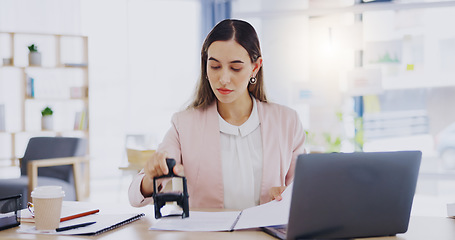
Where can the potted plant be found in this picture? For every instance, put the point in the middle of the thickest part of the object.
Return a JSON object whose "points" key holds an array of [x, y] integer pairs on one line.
{"points": [[34, 57], [47, 122]]}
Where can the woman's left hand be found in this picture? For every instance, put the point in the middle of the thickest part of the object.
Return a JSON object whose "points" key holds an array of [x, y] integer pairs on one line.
{"points": [[275, 193]]}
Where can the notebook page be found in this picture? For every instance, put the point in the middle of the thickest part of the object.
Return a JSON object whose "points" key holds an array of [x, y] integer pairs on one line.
{"points": [[269, 214]]}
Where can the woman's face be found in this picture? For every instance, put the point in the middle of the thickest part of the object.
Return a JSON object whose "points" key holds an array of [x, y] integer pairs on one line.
{"points": [[229, 69]]}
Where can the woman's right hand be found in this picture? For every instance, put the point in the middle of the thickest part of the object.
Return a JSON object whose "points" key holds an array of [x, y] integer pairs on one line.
{"points": [[156, 167]]}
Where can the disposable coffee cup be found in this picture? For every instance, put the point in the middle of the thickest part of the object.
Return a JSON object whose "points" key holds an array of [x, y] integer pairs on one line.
{"points": [[47, 204]]}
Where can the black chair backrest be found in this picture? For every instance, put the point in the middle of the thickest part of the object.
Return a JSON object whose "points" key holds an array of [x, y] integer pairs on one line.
{"points": [[53, 147]]}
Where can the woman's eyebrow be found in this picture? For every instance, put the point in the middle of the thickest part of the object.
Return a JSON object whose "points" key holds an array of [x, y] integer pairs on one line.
{"points": [[216, 60]]}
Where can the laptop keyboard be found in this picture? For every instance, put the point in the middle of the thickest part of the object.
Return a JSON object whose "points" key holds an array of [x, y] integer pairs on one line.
{"points": [[281, 229], [278, 231]]}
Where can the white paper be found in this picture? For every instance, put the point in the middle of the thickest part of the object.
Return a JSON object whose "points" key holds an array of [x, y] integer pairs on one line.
{"points": [[7, 215], [451, 210], [269, 214], [198, 221]]}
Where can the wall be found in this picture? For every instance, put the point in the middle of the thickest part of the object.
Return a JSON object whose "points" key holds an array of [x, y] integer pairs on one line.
{"points": [[144, 63], [143, 59], [43, 16], [284, 44]]}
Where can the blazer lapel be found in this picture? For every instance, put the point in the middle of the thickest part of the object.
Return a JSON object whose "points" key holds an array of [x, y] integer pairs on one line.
{"points": [[210, 163], [271, 149]]}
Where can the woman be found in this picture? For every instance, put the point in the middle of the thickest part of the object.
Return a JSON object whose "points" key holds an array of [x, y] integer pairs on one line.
{"points": [[237, 149]]}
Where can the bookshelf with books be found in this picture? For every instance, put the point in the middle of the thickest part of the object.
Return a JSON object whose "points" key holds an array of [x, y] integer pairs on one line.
{"points": [[60, 81]]}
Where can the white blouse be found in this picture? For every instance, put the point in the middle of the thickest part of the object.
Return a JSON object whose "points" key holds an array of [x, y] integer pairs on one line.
{"points": [[241, 155]]}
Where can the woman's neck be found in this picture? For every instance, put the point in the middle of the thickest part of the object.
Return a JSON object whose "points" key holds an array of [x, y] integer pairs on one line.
{"points": [[237, 112]]}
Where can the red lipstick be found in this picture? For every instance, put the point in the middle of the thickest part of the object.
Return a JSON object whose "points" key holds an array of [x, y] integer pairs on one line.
{"points": [[224, 91]]}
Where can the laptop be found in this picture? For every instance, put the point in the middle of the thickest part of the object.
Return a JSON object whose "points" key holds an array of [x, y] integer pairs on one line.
{"points": [[351, 195]]}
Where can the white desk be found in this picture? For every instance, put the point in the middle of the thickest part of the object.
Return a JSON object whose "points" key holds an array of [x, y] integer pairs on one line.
{"points": [[420, 228]]}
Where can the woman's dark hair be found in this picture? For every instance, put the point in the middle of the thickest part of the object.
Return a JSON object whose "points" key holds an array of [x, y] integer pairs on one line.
{"points": [[245, 35]]}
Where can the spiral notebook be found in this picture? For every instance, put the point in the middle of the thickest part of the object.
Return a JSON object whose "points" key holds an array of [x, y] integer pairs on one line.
{"points": [[104, 223]]}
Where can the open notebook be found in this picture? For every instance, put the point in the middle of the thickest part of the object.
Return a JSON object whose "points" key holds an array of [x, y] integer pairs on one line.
{"points": [[104, 223]]}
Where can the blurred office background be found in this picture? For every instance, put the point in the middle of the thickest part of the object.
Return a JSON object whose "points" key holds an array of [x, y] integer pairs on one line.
{"points": [[363, 76]]}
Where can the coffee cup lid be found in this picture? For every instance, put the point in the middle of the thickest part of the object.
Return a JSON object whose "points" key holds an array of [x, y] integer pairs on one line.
{"points": [[48, 192]]}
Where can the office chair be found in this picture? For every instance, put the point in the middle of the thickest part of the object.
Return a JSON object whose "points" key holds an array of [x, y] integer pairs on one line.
{"points": [[49, 161]]}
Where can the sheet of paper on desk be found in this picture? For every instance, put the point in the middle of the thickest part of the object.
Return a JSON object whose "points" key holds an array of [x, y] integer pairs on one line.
{"points": [[198, 221], [451, 210], [269, 214]]}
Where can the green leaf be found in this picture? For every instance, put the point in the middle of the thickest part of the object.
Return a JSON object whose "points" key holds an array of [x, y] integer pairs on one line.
{"points": [[33, 48], [47, 112]]}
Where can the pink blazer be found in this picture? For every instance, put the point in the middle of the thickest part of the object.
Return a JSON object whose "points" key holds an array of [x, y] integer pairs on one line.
{"points": [[194, 141]]}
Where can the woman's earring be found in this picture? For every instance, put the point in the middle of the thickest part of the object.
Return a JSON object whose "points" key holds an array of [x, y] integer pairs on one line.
{"points": [[253, 80]]}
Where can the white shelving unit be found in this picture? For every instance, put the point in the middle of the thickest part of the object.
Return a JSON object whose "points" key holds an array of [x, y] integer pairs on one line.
{"points": [[61, 82]]}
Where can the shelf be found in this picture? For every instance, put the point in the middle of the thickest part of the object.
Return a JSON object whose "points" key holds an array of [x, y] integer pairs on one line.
{"points": [[61, 66], [45, 67], [75, 65], [60, 82], [56, 99], [418, 80], [37, 132], [6, 132], [355, 9]]}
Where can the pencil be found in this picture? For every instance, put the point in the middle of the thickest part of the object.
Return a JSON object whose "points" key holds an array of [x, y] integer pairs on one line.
{"points": [[74, 226], [78, 215]]}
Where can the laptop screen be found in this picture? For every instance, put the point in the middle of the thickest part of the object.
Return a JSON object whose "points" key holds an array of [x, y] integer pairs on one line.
{"points": [[345, 195]]}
